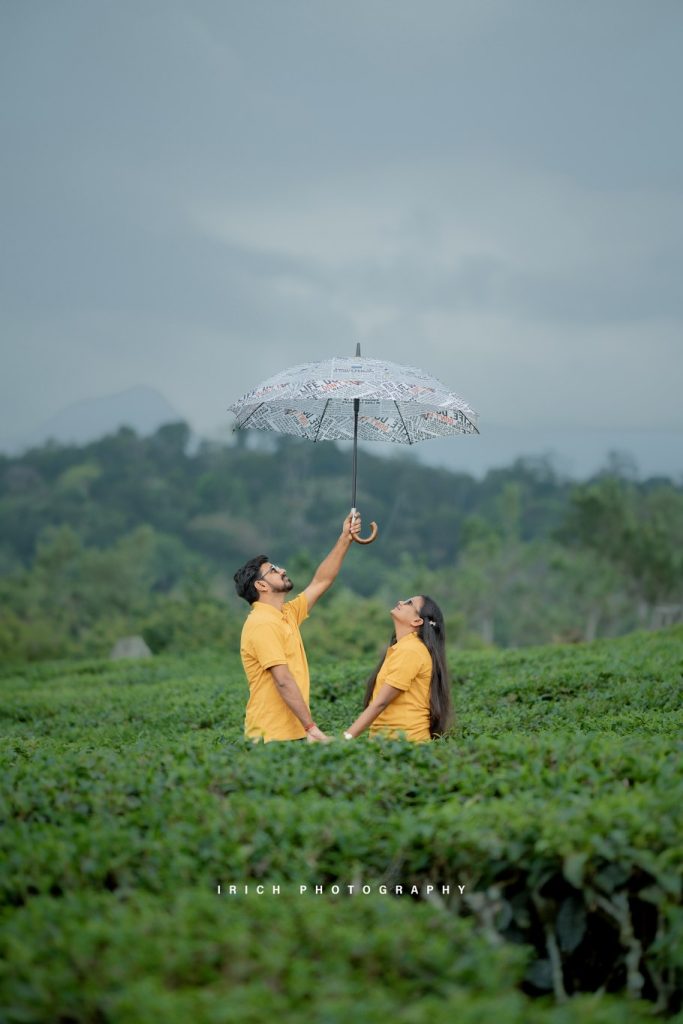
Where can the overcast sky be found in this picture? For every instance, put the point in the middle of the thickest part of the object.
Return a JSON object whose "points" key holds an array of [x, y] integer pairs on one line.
{"points": [[197, 194]]}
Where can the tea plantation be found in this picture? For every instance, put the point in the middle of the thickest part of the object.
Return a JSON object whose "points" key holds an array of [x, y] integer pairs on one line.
{"points": [[526, 868]]}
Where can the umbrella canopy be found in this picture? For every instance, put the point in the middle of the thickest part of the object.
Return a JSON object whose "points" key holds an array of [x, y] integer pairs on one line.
{"points": [[316, 400], [344, 399]]}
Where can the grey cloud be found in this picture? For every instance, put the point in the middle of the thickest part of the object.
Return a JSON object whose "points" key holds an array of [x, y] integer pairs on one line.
{"points": [[524, 160]]}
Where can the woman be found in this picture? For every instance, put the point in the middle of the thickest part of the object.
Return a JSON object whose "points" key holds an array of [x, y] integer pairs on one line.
{"points": [[409, 691]]}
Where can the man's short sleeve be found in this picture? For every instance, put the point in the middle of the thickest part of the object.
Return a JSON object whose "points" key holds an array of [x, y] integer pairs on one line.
{"points": [[268, 644], [297, 609], [404, 668]]}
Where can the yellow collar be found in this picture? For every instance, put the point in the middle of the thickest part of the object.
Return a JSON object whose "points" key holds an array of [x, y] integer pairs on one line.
{"points": [[408, 636], [261, 608]]}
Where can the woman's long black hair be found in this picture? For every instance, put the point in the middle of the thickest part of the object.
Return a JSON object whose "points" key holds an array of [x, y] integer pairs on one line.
{"points": [[432, 633]]}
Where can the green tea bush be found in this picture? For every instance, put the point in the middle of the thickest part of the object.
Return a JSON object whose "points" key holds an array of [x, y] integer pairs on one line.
{"points": [[551, 815], [193, 957]]}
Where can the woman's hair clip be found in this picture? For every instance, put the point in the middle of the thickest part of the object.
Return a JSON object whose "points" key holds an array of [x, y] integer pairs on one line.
{"points": [[432, 622]]}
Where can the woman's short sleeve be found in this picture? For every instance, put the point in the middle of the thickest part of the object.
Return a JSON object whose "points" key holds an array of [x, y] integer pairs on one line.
{"points": [[403, 668]]}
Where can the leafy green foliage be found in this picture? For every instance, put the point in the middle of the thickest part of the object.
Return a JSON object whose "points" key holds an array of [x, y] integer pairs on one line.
{"points": [[639, 531], [109, 539], [129, 794]]}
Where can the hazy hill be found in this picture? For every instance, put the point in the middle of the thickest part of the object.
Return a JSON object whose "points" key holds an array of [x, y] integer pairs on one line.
{"points": [[142, 408]]}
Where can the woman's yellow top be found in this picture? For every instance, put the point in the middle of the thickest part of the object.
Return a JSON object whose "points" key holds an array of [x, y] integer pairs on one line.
{"points": [[407, 667]]}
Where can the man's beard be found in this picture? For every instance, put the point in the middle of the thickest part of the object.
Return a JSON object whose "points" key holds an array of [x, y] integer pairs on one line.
{"points": [[283, 586]]}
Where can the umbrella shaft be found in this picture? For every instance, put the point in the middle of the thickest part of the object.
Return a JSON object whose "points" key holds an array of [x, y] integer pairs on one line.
{"points": [[356, 407]]}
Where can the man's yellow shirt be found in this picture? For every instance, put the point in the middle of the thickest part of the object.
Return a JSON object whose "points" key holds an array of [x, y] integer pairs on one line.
{"points": [[271, 637]]}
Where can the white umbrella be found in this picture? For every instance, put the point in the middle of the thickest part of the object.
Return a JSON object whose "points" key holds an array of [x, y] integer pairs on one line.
{"points": [[344, 399]]}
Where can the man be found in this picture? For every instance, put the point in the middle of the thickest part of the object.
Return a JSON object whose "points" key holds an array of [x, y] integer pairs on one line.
{"points": [[271, 647]]}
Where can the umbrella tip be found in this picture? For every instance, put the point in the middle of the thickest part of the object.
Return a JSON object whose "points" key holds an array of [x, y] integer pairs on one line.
{"points": [[357, 348]]}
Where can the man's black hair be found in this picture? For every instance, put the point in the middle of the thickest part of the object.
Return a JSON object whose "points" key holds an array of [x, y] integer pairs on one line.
{"points": [[246, 577]]}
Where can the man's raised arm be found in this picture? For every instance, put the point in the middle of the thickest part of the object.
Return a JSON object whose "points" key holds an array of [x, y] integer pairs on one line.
{"points": [[327, 571]]}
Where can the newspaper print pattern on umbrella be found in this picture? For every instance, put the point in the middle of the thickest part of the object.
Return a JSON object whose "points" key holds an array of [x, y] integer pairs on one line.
{"points": [[401, 404]]}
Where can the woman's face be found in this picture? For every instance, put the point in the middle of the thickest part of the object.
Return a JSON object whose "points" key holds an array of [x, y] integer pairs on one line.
{"points": [[408, 612]]}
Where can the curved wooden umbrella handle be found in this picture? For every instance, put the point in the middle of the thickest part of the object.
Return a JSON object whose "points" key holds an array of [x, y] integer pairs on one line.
{"points": [[366, 540]]}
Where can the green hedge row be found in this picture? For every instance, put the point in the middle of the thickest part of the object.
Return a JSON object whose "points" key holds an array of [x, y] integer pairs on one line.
{"points": [[555, 803], [194, 956]]}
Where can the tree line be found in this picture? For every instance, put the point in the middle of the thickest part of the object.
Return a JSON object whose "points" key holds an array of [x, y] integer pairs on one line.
{"points": [[143, 534]]}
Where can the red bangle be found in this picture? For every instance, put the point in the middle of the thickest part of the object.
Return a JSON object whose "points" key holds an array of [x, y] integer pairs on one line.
{"points": [[310, 726]]}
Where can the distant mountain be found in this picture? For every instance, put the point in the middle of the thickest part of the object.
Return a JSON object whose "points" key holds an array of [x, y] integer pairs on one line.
{"points": [[142, 408]]}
